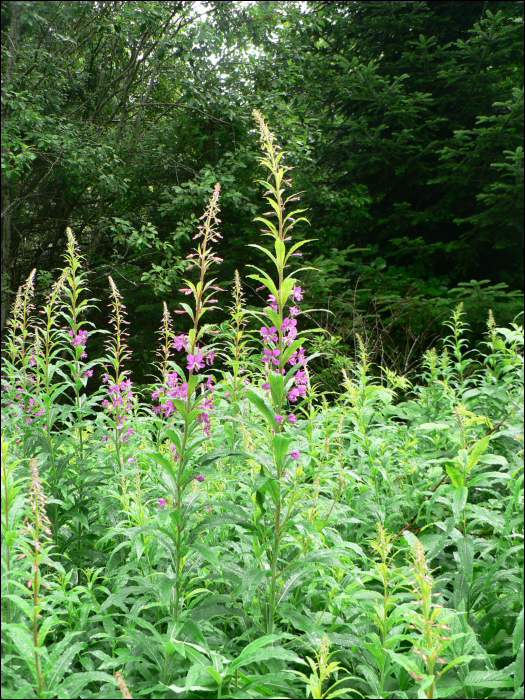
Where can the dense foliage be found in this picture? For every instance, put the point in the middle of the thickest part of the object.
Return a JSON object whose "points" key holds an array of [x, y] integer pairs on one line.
{"points": [[404, 120], [232, 533]]}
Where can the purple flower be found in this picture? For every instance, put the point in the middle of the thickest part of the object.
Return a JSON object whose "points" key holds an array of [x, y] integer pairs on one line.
{"points": [[288, 323], [278, 417], [199, 477], [88, 373], [271, 355], [292, 418], [293, 394], [168, 407], [31, 362], [208, 508], [204, 420], [105, 378], [266, 386], [301, 355], [272, 302], [195, 361], [297, 293], [293, 311], [171, 379], [104, 438], [79, 339], [300, 377], [179, 342], [269, 334], [209, 383], [295, 454], [207, 404], [162, 503], [174, 452]]}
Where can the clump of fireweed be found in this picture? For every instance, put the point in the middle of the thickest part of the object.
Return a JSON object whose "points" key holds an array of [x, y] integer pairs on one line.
{"points": [[284, 360], [181, 406], [120, 395], [18, 376], [35, 547]]}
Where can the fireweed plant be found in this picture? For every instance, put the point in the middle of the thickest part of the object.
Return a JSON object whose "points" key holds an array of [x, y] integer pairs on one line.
{"points": [[179, 398], [234, 533]]}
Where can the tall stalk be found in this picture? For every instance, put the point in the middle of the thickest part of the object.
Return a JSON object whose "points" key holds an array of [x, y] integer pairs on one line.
{"points": [[281, 338]]}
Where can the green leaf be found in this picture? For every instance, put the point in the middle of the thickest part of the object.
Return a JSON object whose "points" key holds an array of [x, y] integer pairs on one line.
{"points": [[459, 500], [251, 581], [276, 387], [517, 636], [476, 452], [280, 445], [208, 554], [164, 462], [76, 682], [257, 655], [293, 580], [262, 406], [61, 664], [465, 547], [455, 476], [488, 679]]}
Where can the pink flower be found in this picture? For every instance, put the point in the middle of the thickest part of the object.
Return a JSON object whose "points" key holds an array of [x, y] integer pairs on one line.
{"points": [[272, 302], [292, 418], [266, 386], [179, 342], [295, 454], [288, 324], [297, 293], [79, 339], [210, 357], [278, 417], [104, 438], [208, 508], [207, 404], [31, 361], [293, 311], [209, 383], [162, 502], [293, 394], [269, 334], [204, 420], [168, 407], [199, 477], [300, 377], [195, 361], [174, 452], [88, 373], [271, 355]]}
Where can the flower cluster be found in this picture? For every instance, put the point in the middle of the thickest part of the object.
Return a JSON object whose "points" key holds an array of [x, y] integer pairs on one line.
{"points": [[78, 340], [172, 388], [119, 403], [206, 406]]}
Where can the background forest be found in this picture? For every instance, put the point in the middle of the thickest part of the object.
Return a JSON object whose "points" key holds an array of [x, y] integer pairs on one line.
{"points": [[403, 121]]}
